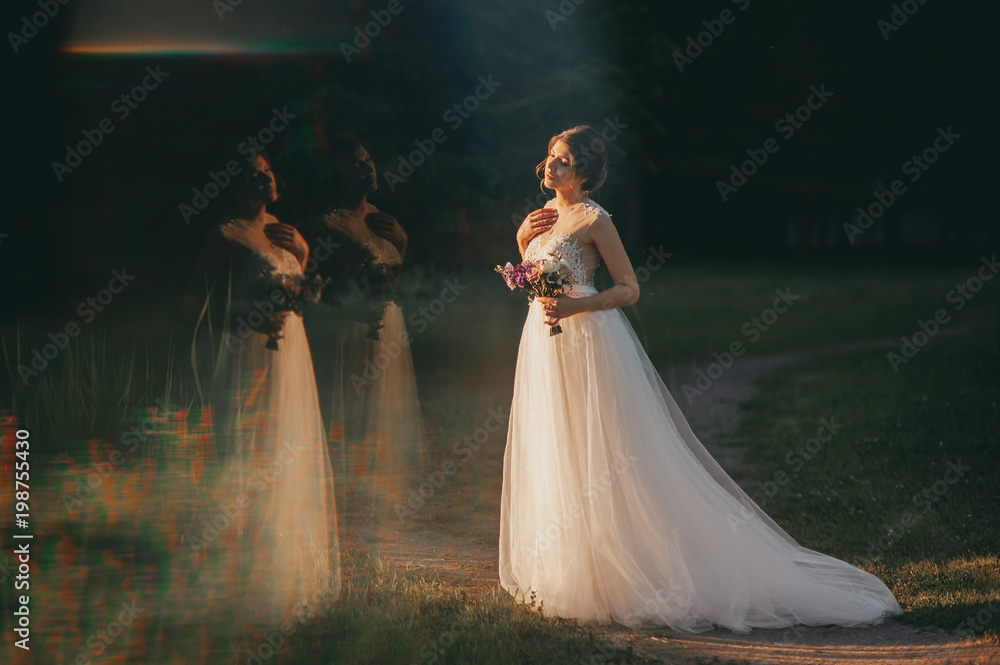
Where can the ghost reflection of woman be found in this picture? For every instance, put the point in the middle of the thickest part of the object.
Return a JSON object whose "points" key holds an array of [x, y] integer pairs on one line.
{"points": [[364, 347], [275, 493]]}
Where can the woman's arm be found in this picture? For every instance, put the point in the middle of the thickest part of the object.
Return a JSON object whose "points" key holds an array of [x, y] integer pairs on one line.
{"points": [[625, 292]]}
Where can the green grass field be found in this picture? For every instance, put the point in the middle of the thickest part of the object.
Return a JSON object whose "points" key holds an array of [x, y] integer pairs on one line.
{"points": [[878, 494], [908, 487]]}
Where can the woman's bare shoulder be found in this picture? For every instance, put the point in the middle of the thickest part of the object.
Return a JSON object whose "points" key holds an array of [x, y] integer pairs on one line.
{"points": [[594, 211], [598, 221]]}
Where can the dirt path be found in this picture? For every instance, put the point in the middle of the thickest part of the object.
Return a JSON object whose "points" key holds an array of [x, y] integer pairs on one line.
{"points": [[461, 552], [889, 643]]}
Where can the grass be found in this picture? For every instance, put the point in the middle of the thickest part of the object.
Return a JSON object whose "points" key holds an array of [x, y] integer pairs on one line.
{"points": [[124, 540], [908, 487], [900, 431], [99, 386], [690, 309], [385, 616]]}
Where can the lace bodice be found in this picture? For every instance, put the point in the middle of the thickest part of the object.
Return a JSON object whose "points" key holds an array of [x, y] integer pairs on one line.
{"points": [[582, 259], [278, 266], [382, 252], [256, 270], [566, 248], [362, 270], [373, 251]]}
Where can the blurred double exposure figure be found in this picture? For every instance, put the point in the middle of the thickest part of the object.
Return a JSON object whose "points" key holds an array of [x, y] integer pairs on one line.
{"points": [[253, 365], [281, 461], [361, 343]]}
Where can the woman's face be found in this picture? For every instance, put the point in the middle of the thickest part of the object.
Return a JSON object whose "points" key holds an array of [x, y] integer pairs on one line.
{"points": [[558, 170], [261, 184], [357, 173]]}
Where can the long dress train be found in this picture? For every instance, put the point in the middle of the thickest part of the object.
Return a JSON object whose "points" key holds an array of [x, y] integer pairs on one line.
{"points": [[612, 509]]}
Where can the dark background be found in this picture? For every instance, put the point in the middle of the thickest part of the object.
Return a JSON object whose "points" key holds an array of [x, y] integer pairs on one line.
{"points": [[606, 60]]}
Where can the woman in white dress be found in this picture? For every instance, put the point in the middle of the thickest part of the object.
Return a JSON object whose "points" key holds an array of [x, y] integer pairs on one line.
{"points": [[611, 507], [276, 488], [362, 345]]}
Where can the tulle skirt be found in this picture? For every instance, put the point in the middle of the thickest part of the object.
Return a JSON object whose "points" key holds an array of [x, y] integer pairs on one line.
{"points": [[613, 510], [278, 484], [376, 428]]}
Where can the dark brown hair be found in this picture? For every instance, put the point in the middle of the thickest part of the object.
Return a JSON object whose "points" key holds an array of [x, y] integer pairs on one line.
{"points": [[589, 156]]}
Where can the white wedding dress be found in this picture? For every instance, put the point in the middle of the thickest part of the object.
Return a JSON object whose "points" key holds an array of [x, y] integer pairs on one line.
{"points": [[613, 510], [363, 354], [277, 483]]}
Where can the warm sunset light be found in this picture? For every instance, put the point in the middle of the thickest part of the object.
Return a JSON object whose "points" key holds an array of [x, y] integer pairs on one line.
{"points": [[203, 27], [531, 332]]}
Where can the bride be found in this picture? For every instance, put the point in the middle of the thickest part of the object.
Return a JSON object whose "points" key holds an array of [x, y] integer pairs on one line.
{"points": [[277, 485], [611, 508]]}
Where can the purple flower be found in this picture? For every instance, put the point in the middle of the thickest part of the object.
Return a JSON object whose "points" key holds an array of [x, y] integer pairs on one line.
{"points": [[506, 272], [518, 275], [530, 271]]}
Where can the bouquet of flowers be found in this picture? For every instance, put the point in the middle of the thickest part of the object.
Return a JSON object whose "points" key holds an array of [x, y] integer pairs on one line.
{"points": [[545, 279], [296, 299]]}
